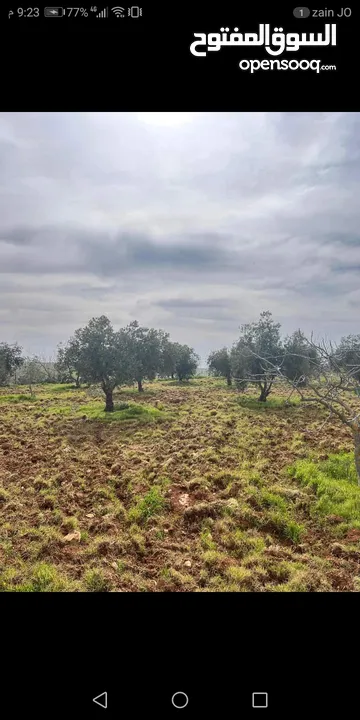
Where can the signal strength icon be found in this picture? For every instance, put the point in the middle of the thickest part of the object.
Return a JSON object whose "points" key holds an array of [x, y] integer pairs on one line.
{"points": [[118, 11], [104, 13]]}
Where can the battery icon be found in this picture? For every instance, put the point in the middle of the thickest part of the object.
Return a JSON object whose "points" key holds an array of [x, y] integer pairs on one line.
{"points": [[53, 12]]}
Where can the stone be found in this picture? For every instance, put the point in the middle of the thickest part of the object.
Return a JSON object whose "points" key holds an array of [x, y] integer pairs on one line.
{"points": [[73, 537]]}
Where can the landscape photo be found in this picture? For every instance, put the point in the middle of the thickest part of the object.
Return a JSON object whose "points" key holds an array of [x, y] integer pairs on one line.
{"points": [[179, 352]]}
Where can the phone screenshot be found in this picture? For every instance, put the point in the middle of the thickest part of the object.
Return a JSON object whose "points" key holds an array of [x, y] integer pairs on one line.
{"points": [[179, 360]]}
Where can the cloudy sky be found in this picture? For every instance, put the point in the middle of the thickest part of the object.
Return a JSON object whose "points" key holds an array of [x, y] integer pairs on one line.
{"points": [[192, 222]]}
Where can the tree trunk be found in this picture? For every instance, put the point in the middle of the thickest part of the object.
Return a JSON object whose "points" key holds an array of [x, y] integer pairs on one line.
{"points": [[357, 452], [140, 387], [263, 392], [109, 407], [77, 381], [172, 376], [228, 379]]}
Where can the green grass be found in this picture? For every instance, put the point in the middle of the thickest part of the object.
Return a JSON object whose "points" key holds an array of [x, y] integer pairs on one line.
{"points": [[271, 499], [335, 484], [272, 403], [132, 391], [238, 574], [44, 578], [206, 540], [17, 398], [285, 526], [95, 581], [153, 503], [123, 412], [240, 543], [181, 383], [63, 410]]}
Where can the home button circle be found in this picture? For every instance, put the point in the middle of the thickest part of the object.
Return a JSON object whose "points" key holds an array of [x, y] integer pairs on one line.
{"points": [[179, 700]]}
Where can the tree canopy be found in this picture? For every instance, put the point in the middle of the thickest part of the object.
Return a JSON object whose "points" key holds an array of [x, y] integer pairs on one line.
{"points": [[145, 346], [103, 356], [186, 361], [219, 364], [10, 360], [168, 357], [259, 341], [68, 364], [347, 356], [300, 359]]}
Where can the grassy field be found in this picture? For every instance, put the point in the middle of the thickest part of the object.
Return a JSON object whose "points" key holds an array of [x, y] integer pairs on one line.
{"points": [[182, 488]]}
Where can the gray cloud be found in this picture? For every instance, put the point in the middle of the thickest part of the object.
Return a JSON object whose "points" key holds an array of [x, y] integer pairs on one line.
{"points": [[195, 227], [189, 304]]}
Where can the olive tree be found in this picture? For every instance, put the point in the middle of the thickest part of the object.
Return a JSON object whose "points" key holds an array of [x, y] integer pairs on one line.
{"points": [[31, 373], [145, 352], [258, 340], [104, 357], [10, 361], [68, 361], [167, 357], [330, 385], [219, 364], [347, 356], [186, 361], [300, 360]]}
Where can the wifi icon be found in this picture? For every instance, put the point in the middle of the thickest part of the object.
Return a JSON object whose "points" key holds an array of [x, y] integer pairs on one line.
{"points": [[118, 11]]}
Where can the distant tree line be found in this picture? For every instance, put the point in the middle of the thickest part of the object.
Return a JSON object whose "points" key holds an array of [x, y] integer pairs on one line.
{"points": [[10, 361], [318, 371], [98, 354], [260, 357], [258, 342]]}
